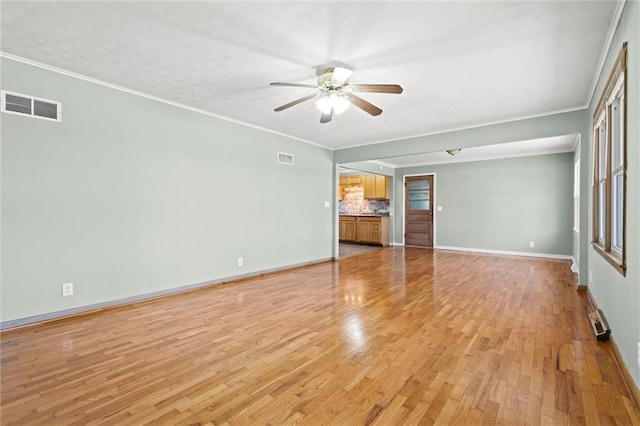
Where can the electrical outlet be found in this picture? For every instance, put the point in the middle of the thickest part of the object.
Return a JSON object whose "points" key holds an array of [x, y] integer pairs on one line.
{"points": [[532, 243], [67, 289], [240, 261]]}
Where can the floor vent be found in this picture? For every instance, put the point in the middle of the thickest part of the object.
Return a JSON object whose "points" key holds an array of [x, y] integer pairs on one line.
{"points": [[600, 326], [284, 158], [15, 103]]}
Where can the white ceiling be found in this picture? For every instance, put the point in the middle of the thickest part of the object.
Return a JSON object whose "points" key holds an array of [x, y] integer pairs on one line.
{"points": [[461, 64]]}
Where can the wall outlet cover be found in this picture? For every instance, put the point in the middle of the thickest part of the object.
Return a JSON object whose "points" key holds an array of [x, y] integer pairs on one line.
{"points": [[240, 261], [67, 289], [532, 243]]}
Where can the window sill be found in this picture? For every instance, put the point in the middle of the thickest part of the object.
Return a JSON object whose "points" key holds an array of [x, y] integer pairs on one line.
{"points": [[613, 259]]}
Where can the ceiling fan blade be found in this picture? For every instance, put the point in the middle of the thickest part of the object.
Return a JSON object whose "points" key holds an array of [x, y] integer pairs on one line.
{"points": [[325, 118], [377, 88], [364, 105], [296, 102], [312, 86]]}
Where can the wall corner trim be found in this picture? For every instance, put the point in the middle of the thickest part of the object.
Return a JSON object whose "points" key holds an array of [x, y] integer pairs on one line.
{"points": [[575, 268]]}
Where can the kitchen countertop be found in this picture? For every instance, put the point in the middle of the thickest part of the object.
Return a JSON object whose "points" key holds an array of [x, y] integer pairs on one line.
{"points": [[366, 215]]}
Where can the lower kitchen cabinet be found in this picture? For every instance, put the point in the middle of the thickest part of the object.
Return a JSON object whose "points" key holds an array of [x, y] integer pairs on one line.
{"points": [[364, 229], [347, 228], [368, 230]]}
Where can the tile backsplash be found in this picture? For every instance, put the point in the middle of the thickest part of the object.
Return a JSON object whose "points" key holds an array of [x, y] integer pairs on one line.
{"points": [[353, 202]]}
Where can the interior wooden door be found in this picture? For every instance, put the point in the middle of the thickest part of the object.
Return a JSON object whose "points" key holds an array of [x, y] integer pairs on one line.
{"points": [[418, 207]]}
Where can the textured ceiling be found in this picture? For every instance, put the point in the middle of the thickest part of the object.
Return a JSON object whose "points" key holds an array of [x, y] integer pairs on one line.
{"points": [[461, 64]]}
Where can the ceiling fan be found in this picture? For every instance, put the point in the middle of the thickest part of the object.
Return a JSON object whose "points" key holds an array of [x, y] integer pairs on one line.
{"points": [[335, 93]]}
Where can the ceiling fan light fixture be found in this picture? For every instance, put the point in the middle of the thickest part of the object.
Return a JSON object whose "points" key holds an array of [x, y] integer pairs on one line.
{"points": [[340, 75], [338, 103], [454, 152]]}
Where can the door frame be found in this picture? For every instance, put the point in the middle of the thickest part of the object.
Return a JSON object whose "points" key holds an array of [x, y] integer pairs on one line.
{"points": [[433, 200]]}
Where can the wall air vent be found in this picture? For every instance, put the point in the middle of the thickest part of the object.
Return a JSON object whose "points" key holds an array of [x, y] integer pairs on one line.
{"points": [[15, 103], [284, 158]]}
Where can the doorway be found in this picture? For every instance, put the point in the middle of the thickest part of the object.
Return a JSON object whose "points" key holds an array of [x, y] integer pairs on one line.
{"points": [[418, 207], [364, 203]]}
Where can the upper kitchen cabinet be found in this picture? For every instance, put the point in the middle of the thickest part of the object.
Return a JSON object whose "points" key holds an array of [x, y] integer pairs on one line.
{"points": [[376, 187], [351, 180]]}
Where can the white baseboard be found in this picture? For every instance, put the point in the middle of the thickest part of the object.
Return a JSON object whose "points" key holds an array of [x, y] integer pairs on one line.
{"points": [[507, 252], [50, 316], [503, 252]]}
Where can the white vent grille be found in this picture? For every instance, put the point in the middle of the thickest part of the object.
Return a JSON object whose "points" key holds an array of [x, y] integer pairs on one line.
{"points": [[15, 103], [284, 158]]}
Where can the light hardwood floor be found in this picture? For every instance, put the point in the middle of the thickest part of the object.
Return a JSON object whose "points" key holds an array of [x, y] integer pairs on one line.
{"points": [[394, 336], [346, 249]]}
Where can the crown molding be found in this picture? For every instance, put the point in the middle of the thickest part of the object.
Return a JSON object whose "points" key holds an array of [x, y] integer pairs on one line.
{"points": [[150, 97], [617, 14]]}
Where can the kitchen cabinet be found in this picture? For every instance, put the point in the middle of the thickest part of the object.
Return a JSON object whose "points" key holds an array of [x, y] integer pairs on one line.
{"points": [[351, 180], [347, 228], [372, 231], [376, 187], [364, 229]]}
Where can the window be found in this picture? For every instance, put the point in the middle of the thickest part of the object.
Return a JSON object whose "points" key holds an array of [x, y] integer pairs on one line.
{"points": [[609, 167]]}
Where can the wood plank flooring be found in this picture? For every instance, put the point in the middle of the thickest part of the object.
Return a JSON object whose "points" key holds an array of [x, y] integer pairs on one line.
{"points": [[346, 249], [394, 336]]}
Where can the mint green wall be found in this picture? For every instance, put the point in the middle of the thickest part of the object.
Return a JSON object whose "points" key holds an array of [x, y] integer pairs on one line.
{"points": [[501, 204], [526, 129], [129, 196], [567, 123], [618, 296]]}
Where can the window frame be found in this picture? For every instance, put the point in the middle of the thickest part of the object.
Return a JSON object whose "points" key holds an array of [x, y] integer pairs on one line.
{"points": [[604, 169]]}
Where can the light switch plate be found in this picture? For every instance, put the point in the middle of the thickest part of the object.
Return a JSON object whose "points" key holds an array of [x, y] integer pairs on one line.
{"points": [[327, 204]]}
